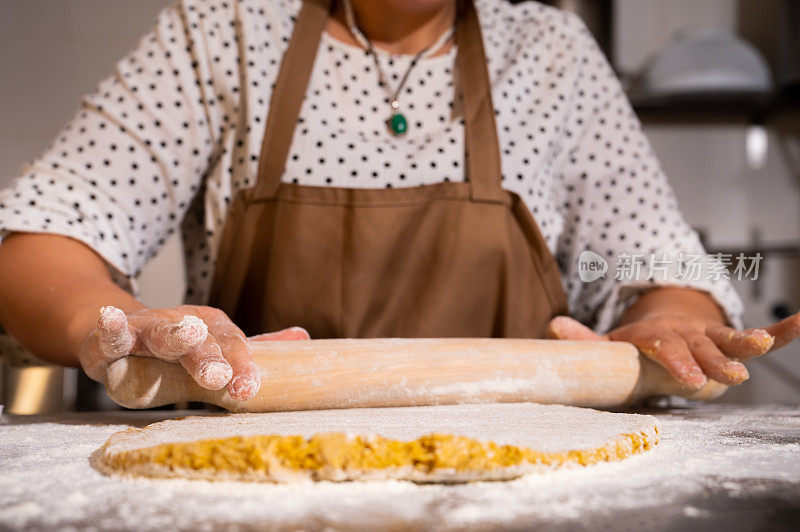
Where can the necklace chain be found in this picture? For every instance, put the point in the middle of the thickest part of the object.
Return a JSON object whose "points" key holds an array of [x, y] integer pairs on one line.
{"points": [[397, 123]]}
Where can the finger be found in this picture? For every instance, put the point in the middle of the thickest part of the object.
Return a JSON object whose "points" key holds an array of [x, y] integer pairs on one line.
{"points": [[207, 366], [665, 347], [740, 344], [292, 333], [114, 337], [246, 379], [566, 328], [785, 331], [713, 362], [169, 339], [112, 340]]}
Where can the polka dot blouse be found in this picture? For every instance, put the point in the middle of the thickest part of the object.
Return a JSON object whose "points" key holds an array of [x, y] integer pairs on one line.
{"points": [[175, 131]]}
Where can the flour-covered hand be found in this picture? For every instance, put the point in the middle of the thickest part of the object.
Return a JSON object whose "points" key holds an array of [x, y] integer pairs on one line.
{"points": [[691, 349], [211, 348]]}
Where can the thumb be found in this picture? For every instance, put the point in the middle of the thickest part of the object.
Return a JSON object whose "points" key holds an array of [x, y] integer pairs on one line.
{"points": [[113, 334], [111, 340], [566, 328]]}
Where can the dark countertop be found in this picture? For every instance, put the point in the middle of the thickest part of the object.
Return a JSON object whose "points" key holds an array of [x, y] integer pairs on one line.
{"points": [[717, 466]]}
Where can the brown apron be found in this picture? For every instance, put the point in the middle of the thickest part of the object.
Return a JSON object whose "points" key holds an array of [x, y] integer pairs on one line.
{"points": [[444, 260]]}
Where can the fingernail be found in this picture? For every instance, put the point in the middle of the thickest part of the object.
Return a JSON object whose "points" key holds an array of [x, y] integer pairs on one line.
{"points": [[760, 339], [111, 318], [191, 331], [736, 372], [216, 374], [695, 378], [301, 333], [243, 387]]}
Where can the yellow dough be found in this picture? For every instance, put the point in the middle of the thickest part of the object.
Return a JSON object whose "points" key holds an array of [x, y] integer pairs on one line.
{"points": [[269, 447]]}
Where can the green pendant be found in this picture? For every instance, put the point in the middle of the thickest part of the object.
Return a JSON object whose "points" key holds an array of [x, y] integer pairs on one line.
{"points": [[398, 124]]}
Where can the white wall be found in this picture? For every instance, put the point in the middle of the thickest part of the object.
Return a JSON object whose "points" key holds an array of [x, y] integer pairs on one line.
{"points": [[51, 53], [717, 191]]}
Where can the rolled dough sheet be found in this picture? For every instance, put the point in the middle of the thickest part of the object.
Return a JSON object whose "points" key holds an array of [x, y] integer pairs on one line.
{"points": [[456, 443]]}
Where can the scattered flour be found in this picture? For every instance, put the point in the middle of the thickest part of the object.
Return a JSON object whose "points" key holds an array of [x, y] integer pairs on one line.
{"points": [[46, 482], [691, 511], [497, 387]]}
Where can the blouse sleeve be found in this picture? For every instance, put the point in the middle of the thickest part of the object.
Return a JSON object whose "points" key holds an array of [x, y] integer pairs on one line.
{"points": [[121, 175], [616, 202]]}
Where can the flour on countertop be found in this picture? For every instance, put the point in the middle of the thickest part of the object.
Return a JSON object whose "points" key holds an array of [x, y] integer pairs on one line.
{"points": [[46, 482]]}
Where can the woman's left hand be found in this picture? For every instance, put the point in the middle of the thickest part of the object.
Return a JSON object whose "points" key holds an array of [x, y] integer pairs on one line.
{"points": [[691, 349]]}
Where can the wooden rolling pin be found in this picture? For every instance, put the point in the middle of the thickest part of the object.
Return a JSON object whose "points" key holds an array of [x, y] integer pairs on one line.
{"points": [[321, 374]]}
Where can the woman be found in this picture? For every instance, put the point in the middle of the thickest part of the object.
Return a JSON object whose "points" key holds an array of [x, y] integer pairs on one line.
{"points": [[376, 168]]}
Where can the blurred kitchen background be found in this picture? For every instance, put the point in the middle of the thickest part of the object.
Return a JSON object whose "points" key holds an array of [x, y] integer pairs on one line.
{"points": [[716, 83]]}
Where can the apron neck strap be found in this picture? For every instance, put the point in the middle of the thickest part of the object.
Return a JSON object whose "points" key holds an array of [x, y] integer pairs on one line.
{"points": [[287, 95], [482, 152]]}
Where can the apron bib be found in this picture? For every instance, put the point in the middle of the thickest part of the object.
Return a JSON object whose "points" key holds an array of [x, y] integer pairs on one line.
{"points": [[444, 260]]}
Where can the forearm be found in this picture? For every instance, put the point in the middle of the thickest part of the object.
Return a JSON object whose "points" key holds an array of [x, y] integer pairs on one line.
{"points": [[51, 290], [674, 302]]}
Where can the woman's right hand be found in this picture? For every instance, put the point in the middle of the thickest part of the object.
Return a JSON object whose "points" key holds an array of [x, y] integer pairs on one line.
{"points": [[202, 339]]}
